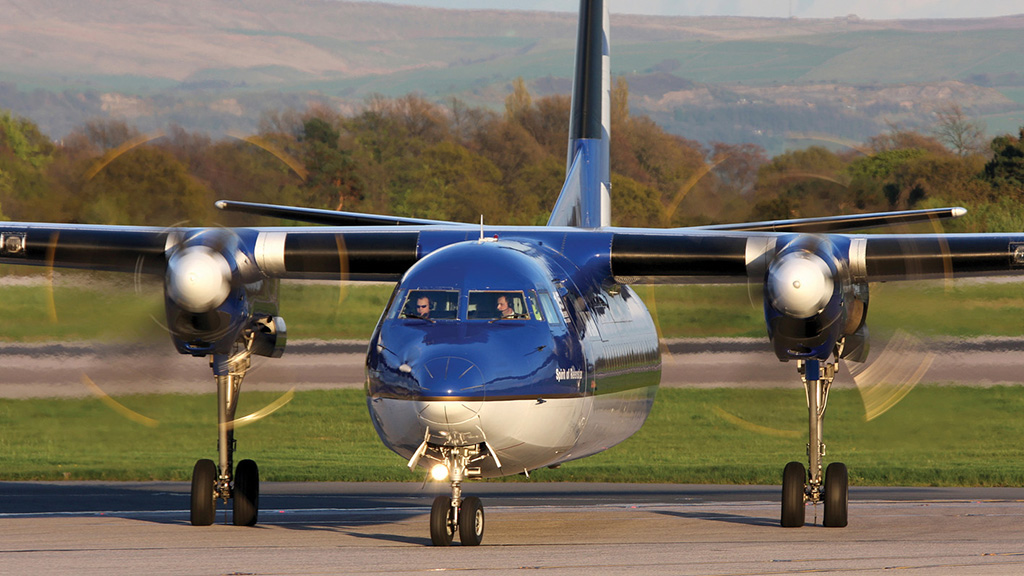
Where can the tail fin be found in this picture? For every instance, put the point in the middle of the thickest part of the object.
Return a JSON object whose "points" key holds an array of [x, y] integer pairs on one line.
{"points": [[585, 201]]}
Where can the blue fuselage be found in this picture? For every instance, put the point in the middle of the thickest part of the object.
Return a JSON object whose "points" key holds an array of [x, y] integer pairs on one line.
{"points": [[529, 350]]}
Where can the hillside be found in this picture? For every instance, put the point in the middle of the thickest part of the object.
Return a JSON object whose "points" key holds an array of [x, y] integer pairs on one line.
{"points": [[219, 64]]}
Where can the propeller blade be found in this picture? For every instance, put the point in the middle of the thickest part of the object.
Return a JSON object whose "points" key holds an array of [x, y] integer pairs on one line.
{"points": [[888, 379], [756, 428], [117, 406], [263, 412]]}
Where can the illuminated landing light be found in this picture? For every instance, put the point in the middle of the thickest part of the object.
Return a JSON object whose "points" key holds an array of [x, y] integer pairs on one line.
{"points": [[439, 472], [405, 368]]}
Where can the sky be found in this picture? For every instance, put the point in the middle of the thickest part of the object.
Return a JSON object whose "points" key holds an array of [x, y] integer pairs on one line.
{"points": [[870, 9]]}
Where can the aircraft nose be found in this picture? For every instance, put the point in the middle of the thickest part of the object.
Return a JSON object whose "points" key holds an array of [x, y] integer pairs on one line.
{"points": [[452, 391]]}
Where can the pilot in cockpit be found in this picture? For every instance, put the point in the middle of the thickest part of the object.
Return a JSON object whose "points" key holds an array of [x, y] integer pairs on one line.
{"points": [[505, 307], [423, 307]]}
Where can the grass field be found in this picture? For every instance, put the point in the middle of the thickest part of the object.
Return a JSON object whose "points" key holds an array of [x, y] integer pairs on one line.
{"points": [[330, 311], [938, 436]]}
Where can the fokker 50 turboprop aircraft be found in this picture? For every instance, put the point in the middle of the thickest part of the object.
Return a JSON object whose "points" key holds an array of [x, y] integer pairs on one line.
{"points": [[507, 349]]}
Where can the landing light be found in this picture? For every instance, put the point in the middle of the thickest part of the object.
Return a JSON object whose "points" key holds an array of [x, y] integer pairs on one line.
{"points": [[439, 472]]}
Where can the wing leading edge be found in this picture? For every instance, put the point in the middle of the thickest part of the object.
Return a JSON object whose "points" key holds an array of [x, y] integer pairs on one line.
{"points": [[634, 255], [698, 256], [365, 254]]}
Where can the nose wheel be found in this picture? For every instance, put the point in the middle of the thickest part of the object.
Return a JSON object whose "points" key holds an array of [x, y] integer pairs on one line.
{"points": [[800, 485], [443, 523], [451, 514], [446, 519], [471, 522]]}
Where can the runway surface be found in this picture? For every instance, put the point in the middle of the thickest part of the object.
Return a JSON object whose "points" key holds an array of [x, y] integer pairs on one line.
{"points": [[340, 528]]}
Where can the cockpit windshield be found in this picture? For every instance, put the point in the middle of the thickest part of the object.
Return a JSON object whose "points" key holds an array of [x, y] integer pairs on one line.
{"points": [[490, 305], [501, 305], [430, 305]]}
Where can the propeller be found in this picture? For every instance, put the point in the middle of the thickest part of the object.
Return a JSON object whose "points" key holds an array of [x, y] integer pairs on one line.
{"points": [[892, 374], [816, 304], [901, 363], [214, 294]]}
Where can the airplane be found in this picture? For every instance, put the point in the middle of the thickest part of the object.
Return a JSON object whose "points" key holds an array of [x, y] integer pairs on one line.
{"points": [[507, 349]]}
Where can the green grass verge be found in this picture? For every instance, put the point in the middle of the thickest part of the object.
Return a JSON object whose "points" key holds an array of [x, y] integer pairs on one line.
{"points": [[964, 309], [938, 436], [330, 311]]}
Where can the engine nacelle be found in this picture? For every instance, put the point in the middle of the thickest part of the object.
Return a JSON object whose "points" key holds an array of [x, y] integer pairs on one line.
{"points": [[811, 302], [213, 292]]}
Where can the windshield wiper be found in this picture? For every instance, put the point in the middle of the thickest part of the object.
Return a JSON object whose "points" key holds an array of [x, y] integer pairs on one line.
{"points": [[418, 317], [510, 317]]}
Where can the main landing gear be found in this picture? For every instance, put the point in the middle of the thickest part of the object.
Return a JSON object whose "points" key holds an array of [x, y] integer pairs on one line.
{"points": [[800, 486], [451, 514], [212, 481]]}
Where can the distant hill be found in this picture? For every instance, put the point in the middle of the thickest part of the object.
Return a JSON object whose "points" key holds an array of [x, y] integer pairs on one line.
{"points": [[216, 65]]}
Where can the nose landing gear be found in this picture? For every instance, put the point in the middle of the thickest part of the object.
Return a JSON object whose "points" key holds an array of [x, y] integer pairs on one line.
{"points": [[451, 514]]}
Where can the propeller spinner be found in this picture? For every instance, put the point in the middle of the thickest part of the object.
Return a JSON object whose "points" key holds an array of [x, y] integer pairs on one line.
{"points": [[198, 278]]}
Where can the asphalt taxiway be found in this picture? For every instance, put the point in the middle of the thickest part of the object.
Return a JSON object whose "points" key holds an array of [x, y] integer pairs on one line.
{"points": [[343, 528]]}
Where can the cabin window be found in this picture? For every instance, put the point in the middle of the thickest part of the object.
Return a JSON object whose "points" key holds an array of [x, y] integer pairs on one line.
{"points": [[430, 305], [497, 304]]}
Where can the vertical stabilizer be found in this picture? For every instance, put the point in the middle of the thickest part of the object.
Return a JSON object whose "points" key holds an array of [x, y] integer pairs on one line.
{"points": [[585, 201]]}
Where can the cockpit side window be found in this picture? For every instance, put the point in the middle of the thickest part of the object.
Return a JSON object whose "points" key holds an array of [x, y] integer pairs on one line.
{"points": [[430, 305], [497, 304], [548, 304], [535, 310]]}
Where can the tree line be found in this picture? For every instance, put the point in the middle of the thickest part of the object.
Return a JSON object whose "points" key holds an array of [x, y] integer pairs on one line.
{"points": [[412, 157]]}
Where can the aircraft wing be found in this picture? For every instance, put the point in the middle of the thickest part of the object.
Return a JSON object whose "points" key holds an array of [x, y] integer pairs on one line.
{"points": [[657, 257], [386, 252], [366, 253], [117, 248], [327, 217], [842, 223]]}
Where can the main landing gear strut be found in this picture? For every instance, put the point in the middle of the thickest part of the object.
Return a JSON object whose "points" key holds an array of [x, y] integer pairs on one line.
{"points": [[800, 486], [451, 514], [212, 481]]}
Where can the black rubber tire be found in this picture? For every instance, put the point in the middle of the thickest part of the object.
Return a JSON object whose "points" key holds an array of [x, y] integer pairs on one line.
{"points": [[246, 496], [837, 495], [471, 522], [204, 499], [793, 478], [441, 529]]}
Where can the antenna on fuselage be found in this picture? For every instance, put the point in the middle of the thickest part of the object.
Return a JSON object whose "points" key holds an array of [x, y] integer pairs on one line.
{"points": [[482, 239]]}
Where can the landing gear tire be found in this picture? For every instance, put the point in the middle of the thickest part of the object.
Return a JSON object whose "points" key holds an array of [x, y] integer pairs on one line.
{"points": [[837, 483], [246, 496], [204, 498], [471, 522], [793, 478], [442, 529]]}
